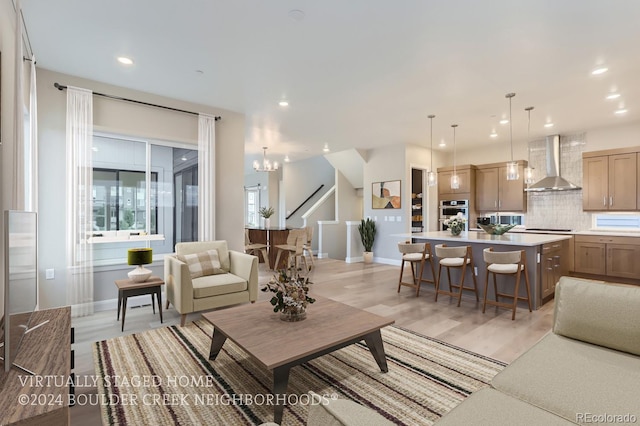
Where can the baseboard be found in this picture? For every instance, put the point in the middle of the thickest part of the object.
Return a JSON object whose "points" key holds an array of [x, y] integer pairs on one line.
{"points": [[386, 261], [323, 255], [112, 304], [354, 259]]}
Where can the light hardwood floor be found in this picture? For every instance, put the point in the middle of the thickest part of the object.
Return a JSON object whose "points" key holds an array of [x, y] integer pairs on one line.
{"points": [[371, 287]]}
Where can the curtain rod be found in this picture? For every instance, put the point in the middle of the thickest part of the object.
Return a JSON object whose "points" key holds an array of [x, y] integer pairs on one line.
{"points": [[62, 87]]}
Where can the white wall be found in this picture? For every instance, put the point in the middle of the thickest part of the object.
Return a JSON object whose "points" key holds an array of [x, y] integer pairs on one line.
{"points": [[136, 120], [299, 180], [386, 164]]}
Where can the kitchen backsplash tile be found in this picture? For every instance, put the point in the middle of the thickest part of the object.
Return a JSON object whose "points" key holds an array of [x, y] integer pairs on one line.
{"points": [[561, 209]]}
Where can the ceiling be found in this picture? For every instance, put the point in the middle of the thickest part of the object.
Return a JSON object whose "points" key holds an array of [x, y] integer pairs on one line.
{"points": [[359, 73]]}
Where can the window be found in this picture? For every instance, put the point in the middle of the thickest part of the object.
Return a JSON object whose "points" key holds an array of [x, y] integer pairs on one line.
{"points": [[119, 200], [252, 205], [627, 221], [145, 193]]}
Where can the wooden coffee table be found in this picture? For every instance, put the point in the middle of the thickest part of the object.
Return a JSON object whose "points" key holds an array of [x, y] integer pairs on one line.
{"points": [[280, 345]]}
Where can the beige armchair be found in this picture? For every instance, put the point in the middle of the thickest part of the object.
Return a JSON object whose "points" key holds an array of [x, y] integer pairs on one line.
{"points": [[234, 281]]}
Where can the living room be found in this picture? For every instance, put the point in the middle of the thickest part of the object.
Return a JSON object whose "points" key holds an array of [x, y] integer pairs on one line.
{"points": [[240, 136]]}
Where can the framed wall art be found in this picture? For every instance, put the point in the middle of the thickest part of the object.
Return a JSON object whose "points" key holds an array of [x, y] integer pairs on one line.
{"points": [[386, 195]]}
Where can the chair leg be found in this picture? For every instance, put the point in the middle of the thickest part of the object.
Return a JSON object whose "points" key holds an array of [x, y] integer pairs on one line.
{"points": [[265, 256], [183, 319], [486, 289], [275, 266], [495, 287], [449, 276], [475, 282], [464, 274], [413, 273], [439, 280], [420, 277], [167, 303], [515, 296], [401, 272], [433, 273]]}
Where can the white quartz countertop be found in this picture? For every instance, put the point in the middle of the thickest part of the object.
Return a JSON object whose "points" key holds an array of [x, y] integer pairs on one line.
{"points": [[519, 239]]}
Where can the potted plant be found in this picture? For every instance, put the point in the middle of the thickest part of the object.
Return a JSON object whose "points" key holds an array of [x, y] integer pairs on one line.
{"points": [[266, 213], [367, 229]]}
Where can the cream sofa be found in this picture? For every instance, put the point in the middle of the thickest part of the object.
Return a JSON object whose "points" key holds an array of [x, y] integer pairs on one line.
{"points": [[586, 370], [238, 283]]}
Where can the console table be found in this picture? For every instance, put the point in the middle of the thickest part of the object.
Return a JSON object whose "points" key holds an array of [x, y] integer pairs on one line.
{"points": [[47, 352]]}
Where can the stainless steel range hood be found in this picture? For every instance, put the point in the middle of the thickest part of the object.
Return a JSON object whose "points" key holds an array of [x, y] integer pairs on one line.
{"points": [[553, 181]]}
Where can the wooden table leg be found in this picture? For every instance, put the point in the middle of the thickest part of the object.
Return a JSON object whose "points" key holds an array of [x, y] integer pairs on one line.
{"points": [[217, 341], [119, 304], [153, 302], [280, 383], [159, 297], [374, 342], [124, 308]]}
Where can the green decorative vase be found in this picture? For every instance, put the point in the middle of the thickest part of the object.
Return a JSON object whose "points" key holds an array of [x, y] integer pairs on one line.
{"points": [[455, 230]]}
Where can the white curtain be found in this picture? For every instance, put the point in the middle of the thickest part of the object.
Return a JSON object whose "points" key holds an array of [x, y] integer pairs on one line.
{"points": [[206, 177], [18, 185], [79, 200]]}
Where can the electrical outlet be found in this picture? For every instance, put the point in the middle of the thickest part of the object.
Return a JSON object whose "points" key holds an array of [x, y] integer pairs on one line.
{"points": [[475, 271], [50, 274]]}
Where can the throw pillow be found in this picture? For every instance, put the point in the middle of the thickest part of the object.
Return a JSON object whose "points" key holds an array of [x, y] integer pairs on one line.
{"points": [[202, 264]]}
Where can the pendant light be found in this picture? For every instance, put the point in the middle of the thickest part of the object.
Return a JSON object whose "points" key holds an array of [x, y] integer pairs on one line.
{"points": [[455, 180], [528, 171], [432, 177], [512, 166], [266, 165]]}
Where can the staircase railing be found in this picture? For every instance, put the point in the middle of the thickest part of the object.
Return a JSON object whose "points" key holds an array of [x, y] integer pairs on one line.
{"points": [[305, 201]]}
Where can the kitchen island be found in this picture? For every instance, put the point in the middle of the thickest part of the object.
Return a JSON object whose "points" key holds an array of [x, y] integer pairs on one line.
{"points": [[544, 252]]}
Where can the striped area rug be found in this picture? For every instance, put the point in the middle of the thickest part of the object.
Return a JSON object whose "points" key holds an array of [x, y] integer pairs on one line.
{"points": [[164, 377]]}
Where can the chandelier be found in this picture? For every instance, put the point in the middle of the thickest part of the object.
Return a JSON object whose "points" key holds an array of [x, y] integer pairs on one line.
{"points": [[266, 165]]}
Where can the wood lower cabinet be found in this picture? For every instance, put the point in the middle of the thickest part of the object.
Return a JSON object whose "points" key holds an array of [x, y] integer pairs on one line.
{"points": [[623, 260], [617, 257], [553, 264]]}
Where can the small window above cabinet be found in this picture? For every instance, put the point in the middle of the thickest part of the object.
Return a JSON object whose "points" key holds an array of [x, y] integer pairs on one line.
{"points": [[417, 200]]}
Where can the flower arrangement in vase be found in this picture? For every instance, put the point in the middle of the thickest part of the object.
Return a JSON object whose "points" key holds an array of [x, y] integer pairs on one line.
{"points": [[291, 294], [266, 213], [455, 223]]}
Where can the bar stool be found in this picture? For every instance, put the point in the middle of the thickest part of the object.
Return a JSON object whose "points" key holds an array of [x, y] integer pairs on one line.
{"points": [[455, 257], [255, 248], [415, 253], [506, 263]]}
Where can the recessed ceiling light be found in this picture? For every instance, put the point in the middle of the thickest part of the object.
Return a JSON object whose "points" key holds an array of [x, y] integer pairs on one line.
{"points": [[286, 159], [621, 111], [493, 135], [296, 14], [326, 148], [125, 61], [504, 121], [547, 125], [442, 144], [283, 103], [599, 70], [613, 96]]}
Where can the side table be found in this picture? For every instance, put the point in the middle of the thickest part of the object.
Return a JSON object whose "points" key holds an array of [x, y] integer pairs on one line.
{"points": [[128, 288]]}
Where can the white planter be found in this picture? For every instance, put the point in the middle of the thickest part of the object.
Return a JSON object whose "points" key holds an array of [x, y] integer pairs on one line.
{"points": [[267, 223], [368, 257]]}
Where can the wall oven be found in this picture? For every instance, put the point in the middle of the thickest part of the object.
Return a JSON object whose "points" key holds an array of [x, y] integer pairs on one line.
{"points": [[450, 208]]}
